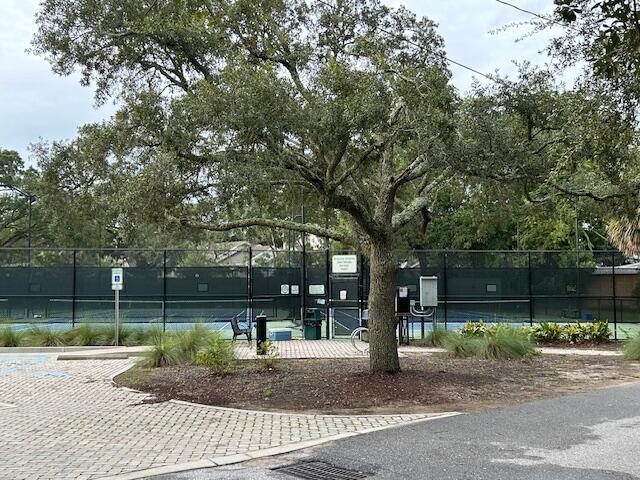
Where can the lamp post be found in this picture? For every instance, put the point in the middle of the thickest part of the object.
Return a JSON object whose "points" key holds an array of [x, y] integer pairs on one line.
{"points": [[30, 197]]}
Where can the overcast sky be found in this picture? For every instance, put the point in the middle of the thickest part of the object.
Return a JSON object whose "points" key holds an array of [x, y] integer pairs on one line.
{"points": [[37, 104]]}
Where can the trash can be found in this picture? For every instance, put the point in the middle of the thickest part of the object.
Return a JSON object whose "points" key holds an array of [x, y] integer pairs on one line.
{"points": [[312, 324], [261, 331]]}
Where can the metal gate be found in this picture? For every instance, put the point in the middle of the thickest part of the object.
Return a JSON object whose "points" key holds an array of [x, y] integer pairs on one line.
{"points": [[346, 303]]}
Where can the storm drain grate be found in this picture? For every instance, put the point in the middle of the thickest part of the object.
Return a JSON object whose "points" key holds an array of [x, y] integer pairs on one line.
{"points": [[320, 471]]}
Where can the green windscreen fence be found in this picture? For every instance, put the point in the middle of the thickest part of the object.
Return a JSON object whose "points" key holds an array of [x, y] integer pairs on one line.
{"points": [[61, 287]]}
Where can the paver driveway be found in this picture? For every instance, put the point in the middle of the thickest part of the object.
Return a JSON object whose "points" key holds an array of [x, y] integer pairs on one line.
{"points": [[67, 420]]}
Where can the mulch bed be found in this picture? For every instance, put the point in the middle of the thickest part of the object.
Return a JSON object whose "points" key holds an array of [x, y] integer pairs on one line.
{"points": [[427, 383]]}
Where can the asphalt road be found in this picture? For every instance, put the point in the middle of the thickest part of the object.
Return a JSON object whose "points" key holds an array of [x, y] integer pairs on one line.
{"points": [[586, 436]]}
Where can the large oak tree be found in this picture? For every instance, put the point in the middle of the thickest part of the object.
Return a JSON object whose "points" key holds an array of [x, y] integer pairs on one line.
{"points": [[347, 100]]}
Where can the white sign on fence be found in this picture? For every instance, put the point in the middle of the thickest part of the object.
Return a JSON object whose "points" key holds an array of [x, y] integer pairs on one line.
{"points": [[344, 264], [117, 278]]}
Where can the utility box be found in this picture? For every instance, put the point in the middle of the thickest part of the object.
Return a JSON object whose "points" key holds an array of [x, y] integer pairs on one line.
{"points": [[403, 302], [428, 292], [312, 324]]}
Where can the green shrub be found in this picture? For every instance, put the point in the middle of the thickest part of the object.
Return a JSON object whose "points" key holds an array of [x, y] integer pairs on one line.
{"points": [[632, 349], [474, 329], [45, 337], [218, 355], [10, 337], [573, 332], [188, 342], [268, 355], [600, 332], [547, 332], [162, 350]]}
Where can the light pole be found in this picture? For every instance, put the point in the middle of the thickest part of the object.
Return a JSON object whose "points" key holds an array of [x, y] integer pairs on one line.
{"points": [[30, 197]]}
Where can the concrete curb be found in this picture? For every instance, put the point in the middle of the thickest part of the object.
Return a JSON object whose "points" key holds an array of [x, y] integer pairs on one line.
{"points": [[52, 349], [266, 452]]}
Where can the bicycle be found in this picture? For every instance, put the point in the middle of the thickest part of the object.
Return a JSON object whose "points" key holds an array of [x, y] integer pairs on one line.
{"points": [[356, 340]]}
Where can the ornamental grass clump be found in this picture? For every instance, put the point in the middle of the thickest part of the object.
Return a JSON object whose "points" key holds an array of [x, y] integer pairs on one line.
{"points": [[10, 337], [500, 343], [462, 346], [45, 337], [437, 337], [632, 349], [187, 343], [506, 343], [162, 352], [84, 335]]}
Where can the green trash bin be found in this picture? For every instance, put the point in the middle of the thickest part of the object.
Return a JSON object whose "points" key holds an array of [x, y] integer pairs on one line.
{"points": [[312, 324]]}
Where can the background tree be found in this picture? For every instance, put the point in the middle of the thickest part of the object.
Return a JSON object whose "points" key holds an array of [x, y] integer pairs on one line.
{"points": [[602, 38], [14, 205]]}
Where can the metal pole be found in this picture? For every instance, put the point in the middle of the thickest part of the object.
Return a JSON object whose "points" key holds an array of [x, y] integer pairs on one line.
{"points": [[327, 292], [303, 286], [164, 290], [250, 286], [446, 293], [29, 235], [530, 292], [360, 289], [73, 292], [615, 308], [117, 316], [576, 234]]}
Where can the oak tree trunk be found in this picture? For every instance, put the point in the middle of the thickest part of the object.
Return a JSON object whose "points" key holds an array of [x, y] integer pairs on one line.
{"points": [[383, 349]]}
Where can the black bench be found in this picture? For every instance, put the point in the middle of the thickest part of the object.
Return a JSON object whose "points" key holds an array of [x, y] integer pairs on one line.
{"points": [[237, 331]]}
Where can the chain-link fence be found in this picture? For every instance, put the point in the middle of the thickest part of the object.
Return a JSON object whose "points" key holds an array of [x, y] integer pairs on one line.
{"points": [[62, 287]]}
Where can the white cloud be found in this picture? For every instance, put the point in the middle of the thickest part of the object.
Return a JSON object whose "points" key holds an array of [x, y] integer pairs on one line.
{"points": [[36, 103]]}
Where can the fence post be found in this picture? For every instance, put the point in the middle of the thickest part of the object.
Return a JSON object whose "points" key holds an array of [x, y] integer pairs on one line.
{"points": [[327, 291], [250, 286], [360, 289], [303, 284], [615, 308], [530, 290], [446, 292], [164, 290], [73, 291]]}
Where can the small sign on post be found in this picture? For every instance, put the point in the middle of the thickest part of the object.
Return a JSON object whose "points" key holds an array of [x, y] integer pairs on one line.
{"points": [[117, 284]]}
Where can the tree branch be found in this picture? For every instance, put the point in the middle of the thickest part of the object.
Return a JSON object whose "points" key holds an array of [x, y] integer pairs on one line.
{"points": [[266, 222], [419, 203], [585, 193]]}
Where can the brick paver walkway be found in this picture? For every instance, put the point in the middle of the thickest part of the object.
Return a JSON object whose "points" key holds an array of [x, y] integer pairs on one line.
{"points": [[305, 349], [66, 420]]}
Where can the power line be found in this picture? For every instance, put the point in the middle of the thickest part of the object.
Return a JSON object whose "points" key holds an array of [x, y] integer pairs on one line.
{"points": [[489, 77], [537, 15], [444, 57]]}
